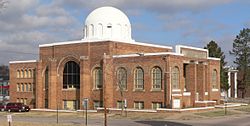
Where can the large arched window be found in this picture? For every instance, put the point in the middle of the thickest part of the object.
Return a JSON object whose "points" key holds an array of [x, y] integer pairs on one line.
{"points": [[139, 78], [214, 79], [156, 78], [97, 78], [71, 75], [122, 79], [175, 78]]}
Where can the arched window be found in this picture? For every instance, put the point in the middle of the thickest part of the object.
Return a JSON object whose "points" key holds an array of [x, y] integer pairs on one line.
{"points": [[109, 30], [156, 78], [25, 73], [26, 87], [175, 78], [22, 87], [18, 87], [86, 31], [122, 79], [214, 79], [30, 87], [126, 31], [118, 31], [97, 78], [139, 78], [21, 73], [100, 30], [29, 74], [18, 74], [71, 75], [91, 30]]}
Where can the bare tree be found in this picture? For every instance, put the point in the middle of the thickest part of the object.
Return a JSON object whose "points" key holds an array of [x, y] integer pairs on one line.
{"points": [[4, 71], [121, 82]]}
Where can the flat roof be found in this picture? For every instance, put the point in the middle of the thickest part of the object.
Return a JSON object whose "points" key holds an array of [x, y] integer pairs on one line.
{"points": [[146, 54], [189, 47], [24, 61], [91, 41]]}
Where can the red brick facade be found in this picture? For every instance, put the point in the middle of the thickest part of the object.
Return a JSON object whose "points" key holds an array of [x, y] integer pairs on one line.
{"points": [[195, 76]]}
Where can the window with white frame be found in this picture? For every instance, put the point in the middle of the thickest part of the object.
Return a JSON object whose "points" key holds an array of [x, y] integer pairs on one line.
{"points": [[214, 79], [119, 104], [18, 74], [139, 105], [22, 86], [25, 101], [30, 87], [25, 73], [29, 73], [98, 104], [18, 87], [175, 78], [26, 87], [22, 74], [139, 78], [97, 78], [156, 78], [156, 105]]}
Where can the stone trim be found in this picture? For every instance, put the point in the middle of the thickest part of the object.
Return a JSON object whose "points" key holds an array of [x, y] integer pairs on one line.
{"points": [[24, 61]]}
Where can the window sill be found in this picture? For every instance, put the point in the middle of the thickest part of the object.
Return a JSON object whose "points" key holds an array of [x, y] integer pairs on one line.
{"points": [[117, 89], [186, 93], [176, 90], [139, 90], [215, 89], [69, 89], [156, 90]]}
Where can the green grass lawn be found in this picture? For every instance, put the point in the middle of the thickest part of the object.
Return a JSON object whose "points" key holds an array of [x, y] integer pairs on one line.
{"points": [[36, 124], [244, 109], [216, 113]]}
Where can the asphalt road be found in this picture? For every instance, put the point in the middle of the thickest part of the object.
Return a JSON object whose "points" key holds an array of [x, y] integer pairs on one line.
{"points": [[242, 120]]}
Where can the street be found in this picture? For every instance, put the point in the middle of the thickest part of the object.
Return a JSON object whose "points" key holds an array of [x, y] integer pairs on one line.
{"points": [[239, 120]]}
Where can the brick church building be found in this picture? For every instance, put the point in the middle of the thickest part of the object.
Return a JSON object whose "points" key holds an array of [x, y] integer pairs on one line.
{"points": [[107, 66]]}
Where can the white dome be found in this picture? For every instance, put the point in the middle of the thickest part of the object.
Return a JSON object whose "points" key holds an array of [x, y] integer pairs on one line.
{"points": [[107, 23]]}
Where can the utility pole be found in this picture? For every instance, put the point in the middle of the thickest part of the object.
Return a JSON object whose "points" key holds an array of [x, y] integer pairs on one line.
{"points": [[104, 92]]}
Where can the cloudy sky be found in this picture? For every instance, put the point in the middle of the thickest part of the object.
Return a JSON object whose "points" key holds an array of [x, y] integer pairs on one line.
{"points": [[24, 24]]}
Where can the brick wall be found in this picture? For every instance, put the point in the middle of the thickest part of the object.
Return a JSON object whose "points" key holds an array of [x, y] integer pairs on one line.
{"points": [[90, 56]]}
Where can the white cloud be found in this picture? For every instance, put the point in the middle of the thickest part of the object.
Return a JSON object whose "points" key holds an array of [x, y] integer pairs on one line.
{"points": [[163, 6], [27, 23]]}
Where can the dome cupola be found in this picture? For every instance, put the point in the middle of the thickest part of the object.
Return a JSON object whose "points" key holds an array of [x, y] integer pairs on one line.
{"points": [[107, 23]]}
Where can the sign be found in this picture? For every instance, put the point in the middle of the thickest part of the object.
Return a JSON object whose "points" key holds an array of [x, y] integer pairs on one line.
{"points": [[176, 103], [9, 118], [125, 103], [85, 102]]}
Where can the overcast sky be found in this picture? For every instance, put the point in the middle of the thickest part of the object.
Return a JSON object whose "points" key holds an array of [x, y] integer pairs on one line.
{"points": [[24, 24]]}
